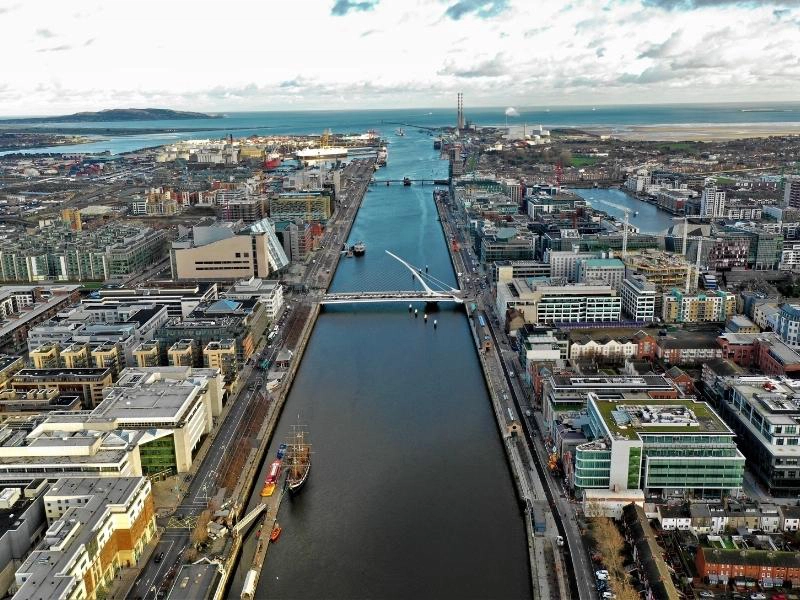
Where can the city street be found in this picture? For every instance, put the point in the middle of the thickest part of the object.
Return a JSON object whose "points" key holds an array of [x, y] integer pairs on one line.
{"points": [[203, 483]]}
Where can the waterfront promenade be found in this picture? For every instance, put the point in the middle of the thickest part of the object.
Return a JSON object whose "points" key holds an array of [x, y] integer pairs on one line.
{"points": [[548, 577]]}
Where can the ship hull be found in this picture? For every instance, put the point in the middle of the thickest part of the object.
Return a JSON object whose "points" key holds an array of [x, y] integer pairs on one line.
{"points": [[295, 485]]}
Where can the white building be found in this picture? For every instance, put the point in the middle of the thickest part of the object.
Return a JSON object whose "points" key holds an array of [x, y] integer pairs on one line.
{"points": [[564, 263], [269, 292], [638, 298], [790, 257], [639, 181], [712, 202], [610, 271], [574, 303], [173, 405], [608, 350]]}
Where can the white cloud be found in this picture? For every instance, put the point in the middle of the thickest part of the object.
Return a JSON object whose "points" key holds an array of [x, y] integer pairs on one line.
{"points": [[284, 54]]}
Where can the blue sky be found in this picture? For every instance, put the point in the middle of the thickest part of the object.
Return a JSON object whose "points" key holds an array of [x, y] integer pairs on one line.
{"points": [[294, 54]]}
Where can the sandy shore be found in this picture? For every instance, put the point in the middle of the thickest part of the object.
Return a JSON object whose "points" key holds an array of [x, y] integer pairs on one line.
{"points": [[705, 132]]}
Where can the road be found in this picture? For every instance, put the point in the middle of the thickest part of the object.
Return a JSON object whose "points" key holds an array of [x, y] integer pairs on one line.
{"points": [[176, 537], [476, 283]]}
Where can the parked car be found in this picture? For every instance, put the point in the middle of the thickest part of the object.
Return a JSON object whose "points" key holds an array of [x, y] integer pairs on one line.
{"points": [[706, 594], [758, 596], [159, 558]]}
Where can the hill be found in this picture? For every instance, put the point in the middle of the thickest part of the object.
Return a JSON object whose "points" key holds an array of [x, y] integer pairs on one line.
{"points": [[116, 114]]}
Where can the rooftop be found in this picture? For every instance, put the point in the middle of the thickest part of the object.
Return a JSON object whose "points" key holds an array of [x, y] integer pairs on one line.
{"points": [[688, 416]]}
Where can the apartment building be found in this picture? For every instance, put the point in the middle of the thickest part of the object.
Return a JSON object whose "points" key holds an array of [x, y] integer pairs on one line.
{"points": [[87, 383], [309, 206], [712, 306], [765, 413], [638, 298], [23, 306], [97, 527], [268, 292], [712, 202]]}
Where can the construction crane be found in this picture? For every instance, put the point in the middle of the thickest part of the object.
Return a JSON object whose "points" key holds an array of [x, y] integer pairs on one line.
{"points": [[686, 238]]}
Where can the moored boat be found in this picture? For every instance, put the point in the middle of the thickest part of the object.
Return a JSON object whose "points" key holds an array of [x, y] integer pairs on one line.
{"points": [[359, 249], [276, 533], [299, 458]]}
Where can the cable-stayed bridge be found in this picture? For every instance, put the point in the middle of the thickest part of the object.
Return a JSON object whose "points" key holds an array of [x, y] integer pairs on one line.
{"points": [[433, 290]]}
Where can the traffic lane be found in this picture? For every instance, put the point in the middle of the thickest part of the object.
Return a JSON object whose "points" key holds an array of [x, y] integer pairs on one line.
{"points": [[154, 573]]}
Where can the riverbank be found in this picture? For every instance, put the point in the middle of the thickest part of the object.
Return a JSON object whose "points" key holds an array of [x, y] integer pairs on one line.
{"points": [[354, 190], [545, 563]]}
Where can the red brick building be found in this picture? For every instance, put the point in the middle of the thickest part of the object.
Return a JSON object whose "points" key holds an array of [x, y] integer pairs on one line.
{"points": [[770, 568]]}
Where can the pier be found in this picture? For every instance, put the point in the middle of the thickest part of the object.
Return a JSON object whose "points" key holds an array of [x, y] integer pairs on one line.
{"points": [[317, 277]]}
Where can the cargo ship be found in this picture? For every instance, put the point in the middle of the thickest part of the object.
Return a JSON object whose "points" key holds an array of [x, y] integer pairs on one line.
{"points": [[298, 456], [273, 161], [272, 479], [358, 249]]}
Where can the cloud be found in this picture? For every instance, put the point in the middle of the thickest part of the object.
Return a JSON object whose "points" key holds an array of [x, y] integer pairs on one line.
{"points": [[494, 67], [370, 32], [600, 52], [695, 4], [88, 42], [668, 47], [60, 48], [45, 33], [512, 112], [342, 7], [484, 9]]}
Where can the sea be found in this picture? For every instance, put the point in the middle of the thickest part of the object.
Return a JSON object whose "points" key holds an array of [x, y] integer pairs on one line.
{"points": [[239, 124]]}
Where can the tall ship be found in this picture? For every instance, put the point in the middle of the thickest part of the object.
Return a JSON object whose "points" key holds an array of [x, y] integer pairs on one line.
{"points": [[359, 248], [298, 457]]}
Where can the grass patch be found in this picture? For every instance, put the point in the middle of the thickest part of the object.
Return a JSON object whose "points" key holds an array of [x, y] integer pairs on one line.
{"points": [[583, 161], [690, 147]]}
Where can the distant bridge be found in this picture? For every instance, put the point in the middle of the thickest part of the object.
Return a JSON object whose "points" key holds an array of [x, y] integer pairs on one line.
{"points": [[422, 127], [420, 181], [446, 293]]}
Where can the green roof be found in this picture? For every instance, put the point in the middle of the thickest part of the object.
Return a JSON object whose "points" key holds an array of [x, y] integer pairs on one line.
{"points": [[708, 421], [604, 262]]}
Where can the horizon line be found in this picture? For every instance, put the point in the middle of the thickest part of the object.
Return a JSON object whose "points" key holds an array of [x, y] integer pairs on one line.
{"points": [[222, 112]]}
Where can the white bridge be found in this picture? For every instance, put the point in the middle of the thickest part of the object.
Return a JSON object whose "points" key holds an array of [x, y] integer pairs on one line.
{"points": [[445, 293]]}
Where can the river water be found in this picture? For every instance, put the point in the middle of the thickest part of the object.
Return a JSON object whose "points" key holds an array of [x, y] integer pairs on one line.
{"points": [[409, 495], [650, 219]]}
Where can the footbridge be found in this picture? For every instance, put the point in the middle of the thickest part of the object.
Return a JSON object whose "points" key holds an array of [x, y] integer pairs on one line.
{"points": [[433, 290]]}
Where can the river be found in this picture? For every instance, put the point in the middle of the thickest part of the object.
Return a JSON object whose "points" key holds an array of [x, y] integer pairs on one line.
{"points": [[650, 219], [410, 495]]}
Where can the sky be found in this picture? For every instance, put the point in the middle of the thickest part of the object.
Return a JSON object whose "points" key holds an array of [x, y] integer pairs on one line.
{"points": [[236, 55]]}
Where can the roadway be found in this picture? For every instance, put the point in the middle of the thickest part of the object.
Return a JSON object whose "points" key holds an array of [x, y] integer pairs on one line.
{"points": [[202, 487], [475, 280]]}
